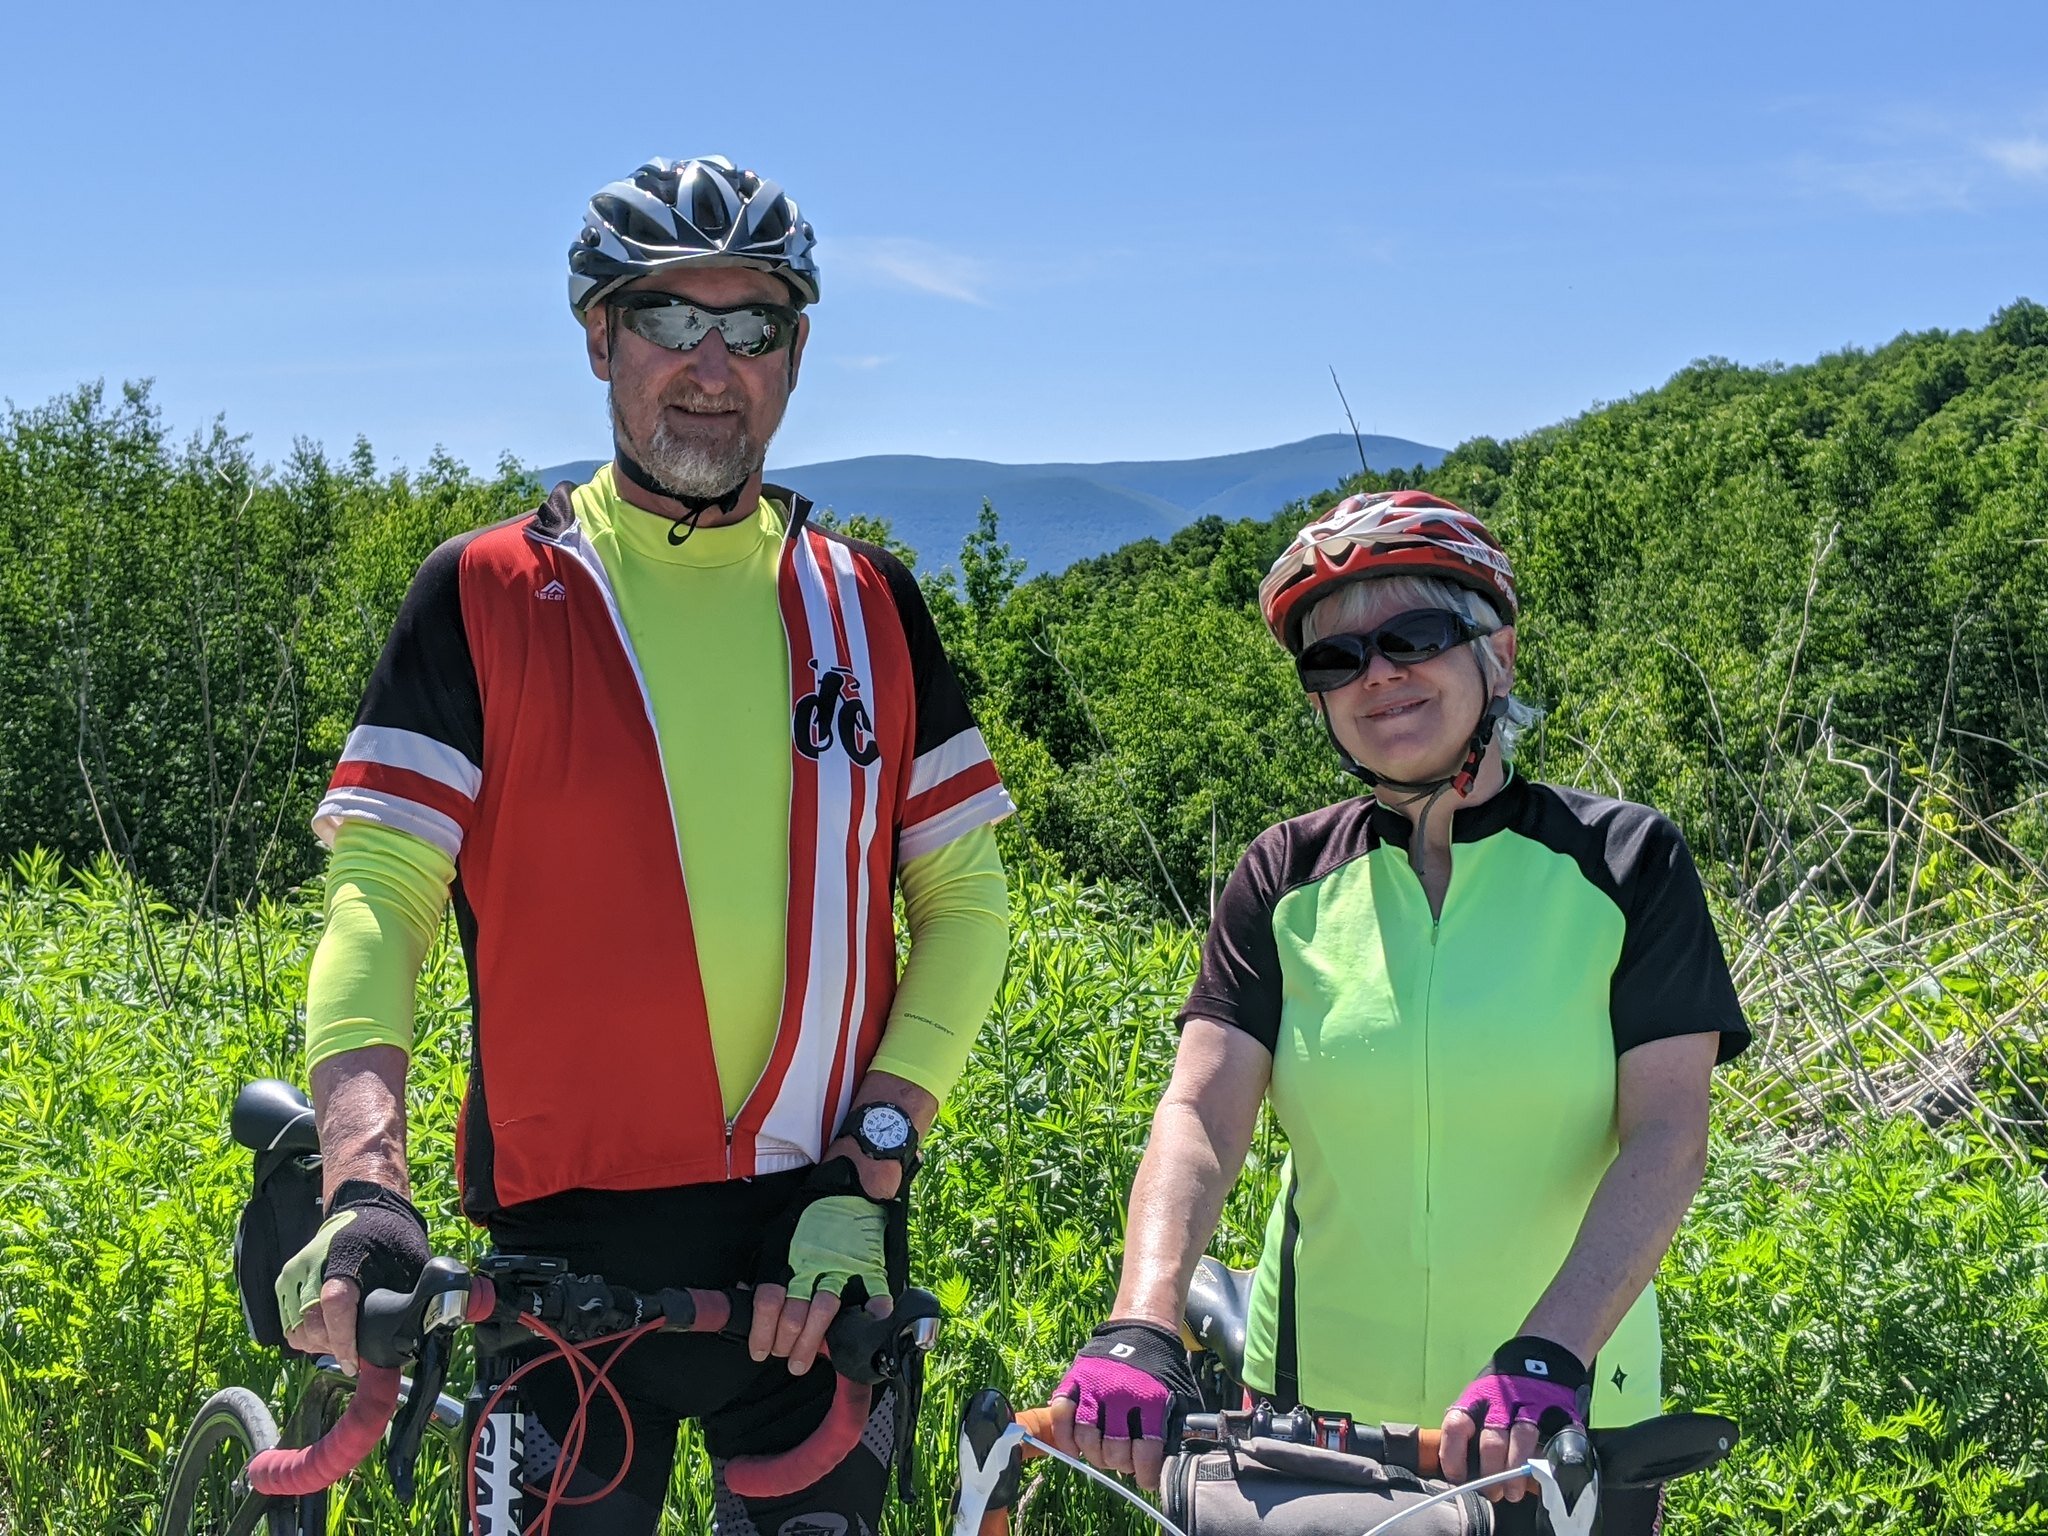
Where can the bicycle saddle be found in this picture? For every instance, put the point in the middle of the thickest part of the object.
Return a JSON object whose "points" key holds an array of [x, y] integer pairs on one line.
{"points": [[1218, 1310], [273, 1116]]}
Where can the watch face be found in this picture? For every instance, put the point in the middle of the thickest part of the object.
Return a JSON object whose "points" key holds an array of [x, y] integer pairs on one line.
{"points": [[885, 1127]]}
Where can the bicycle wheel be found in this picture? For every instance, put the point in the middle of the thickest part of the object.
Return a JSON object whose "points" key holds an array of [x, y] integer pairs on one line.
{"points": [[206, 1497]]}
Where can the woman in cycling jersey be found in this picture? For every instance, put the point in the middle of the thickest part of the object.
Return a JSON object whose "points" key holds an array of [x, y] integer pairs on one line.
{"points": [[1485, 1011]]}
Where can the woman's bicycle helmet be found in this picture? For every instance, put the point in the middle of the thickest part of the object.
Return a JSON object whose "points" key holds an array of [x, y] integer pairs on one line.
{"points": [[1390, 533], [1383, 534], [683, 213]]}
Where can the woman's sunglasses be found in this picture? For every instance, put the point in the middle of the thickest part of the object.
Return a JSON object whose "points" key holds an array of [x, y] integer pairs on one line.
{"points": [[1406, 640], [749, 330]]}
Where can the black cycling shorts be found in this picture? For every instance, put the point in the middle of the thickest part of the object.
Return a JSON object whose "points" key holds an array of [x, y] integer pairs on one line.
{"points": [[698, 1235]]}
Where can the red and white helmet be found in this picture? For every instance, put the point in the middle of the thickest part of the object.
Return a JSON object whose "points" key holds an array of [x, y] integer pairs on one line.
{"points": [[1385, 533]]}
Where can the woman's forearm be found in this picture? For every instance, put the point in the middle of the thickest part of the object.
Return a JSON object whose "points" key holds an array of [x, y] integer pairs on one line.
{"points": [[1627, 1228], [1175, 1203], [1200, 1134]]}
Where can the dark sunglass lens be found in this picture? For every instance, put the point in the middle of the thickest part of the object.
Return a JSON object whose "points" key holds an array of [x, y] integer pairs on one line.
{"points": [[1415, 637], [1331, 663], [751, 332]]}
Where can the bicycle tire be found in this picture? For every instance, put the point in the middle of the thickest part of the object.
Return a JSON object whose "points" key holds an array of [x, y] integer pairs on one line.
{"points": [[233, 1416]]}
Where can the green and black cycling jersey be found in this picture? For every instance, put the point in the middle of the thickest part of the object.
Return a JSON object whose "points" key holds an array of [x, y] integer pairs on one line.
{"points": [[1447, 1083]]}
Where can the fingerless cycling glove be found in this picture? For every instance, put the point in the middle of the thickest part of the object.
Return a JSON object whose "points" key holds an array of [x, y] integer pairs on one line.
{"points": [[1131, 1379], [372, 1235], [1530, 1380]]}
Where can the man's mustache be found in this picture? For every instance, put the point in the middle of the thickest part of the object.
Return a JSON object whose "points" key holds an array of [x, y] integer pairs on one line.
{"points": [[703, 405]]}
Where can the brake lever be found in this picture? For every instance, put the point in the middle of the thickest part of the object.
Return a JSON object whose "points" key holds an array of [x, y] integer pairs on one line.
{"points": [[401, 1455], [913, 1343], [865, 1348]]}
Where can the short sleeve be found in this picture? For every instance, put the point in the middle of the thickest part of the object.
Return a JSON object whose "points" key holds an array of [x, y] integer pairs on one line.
{"points": [[1239, 984], [952, 786], [414, 761], [1672, 977]]}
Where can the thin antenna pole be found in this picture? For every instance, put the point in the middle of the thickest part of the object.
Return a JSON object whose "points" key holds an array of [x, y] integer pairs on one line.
{"points": [[1367, 468]]}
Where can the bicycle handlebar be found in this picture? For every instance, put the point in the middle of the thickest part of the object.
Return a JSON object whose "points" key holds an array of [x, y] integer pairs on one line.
{"points": [[1640, 1455], [290, 1473], [859, 1345], [1367, 1440]]}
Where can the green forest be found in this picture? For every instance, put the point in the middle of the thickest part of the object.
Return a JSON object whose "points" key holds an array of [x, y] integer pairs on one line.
{"points": [[1802, 609]]}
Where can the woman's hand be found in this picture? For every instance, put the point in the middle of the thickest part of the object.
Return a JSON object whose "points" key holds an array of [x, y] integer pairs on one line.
{"points": [[1123, 1398], [1531, 1390]]}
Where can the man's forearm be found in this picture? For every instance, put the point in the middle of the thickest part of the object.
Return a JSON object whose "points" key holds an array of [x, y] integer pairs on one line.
{"points": [[1629, 1224], [359, 1106]]}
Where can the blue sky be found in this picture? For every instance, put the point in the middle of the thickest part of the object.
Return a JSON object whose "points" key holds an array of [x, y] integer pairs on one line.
{"points": [[1046, 232]]}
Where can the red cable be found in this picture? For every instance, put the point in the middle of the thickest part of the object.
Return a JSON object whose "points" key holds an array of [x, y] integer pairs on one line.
{"points": [[571, 1445]]}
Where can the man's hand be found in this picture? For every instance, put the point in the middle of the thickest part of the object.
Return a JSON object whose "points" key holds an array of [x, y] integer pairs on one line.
{"points": [[837, 1234], [372, 1239], [1532, 1389]]}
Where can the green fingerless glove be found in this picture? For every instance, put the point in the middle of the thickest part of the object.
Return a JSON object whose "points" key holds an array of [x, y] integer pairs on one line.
{"points": [[838, 1239], [374, 1237]]}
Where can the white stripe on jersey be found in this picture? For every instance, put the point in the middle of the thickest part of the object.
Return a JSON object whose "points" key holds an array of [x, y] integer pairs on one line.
{"points": [[955, 755], [355, 803], [934, 832], [389, 747]]}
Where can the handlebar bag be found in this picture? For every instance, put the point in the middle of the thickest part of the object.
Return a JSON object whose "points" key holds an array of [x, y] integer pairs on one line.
{"points": [[1273, 1488], [280, 1219]]}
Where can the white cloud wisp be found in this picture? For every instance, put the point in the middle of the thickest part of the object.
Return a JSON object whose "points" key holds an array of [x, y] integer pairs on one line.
{"points": [[902, 262]]}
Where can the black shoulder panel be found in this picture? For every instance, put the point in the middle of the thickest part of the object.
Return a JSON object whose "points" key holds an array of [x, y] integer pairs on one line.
{"points": [[1672, 976], [1240, 982], [425, 679]]}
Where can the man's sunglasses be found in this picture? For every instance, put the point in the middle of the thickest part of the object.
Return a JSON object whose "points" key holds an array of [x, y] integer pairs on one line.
{"points": [[1406, 640], [749, 330]]}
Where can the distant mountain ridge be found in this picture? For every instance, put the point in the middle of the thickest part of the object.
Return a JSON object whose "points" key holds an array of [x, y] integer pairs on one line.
{"points": [[1055, 514]]}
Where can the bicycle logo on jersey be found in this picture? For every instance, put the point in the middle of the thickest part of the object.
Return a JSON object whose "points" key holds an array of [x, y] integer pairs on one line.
{"points": [[835, 712]]}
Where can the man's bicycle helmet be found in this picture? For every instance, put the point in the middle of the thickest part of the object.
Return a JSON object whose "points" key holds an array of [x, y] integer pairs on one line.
{"points": [[689, 213], [1385, 533]]}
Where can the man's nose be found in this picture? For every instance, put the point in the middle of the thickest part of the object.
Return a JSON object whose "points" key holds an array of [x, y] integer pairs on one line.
{"points": [[709, 365]]}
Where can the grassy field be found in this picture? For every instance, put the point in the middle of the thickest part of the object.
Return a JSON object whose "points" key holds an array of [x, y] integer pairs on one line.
{"points": [[1863, 1283]]}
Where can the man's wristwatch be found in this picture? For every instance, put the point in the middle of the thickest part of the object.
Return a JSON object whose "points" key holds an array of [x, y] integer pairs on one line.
{"points": [[883, 1131]]}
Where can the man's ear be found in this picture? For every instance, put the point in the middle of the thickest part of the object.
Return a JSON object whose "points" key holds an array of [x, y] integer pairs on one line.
{"points": [[796, 348], [597, 340]]}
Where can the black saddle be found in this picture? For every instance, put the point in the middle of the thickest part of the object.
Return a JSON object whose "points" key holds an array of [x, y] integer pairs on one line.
{"points": [[273, 1117], [1218, 1311]]}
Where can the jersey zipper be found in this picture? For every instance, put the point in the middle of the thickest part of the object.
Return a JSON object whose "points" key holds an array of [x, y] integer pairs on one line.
{"points": [[1436, 925], [1429, 1130]]}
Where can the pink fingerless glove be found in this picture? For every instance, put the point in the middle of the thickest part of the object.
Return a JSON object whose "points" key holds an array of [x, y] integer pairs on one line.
{"points": [[1131, 1380], [1530, 1380]]}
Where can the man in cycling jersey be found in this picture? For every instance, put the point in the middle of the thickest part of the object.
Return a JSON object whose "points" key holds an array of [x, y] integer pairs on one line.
{"points": [[1484, 1010], [674, 749]]}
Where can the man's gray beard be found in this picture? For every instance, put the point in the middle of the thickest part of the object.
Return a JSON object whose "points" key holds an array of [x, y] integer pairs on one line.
{"points": [[684, 468]]}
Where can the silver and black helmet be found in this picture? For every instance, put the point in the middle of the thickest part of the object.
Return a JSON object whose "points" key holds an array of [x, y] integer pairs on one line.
{"points": [[689, 213]]}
